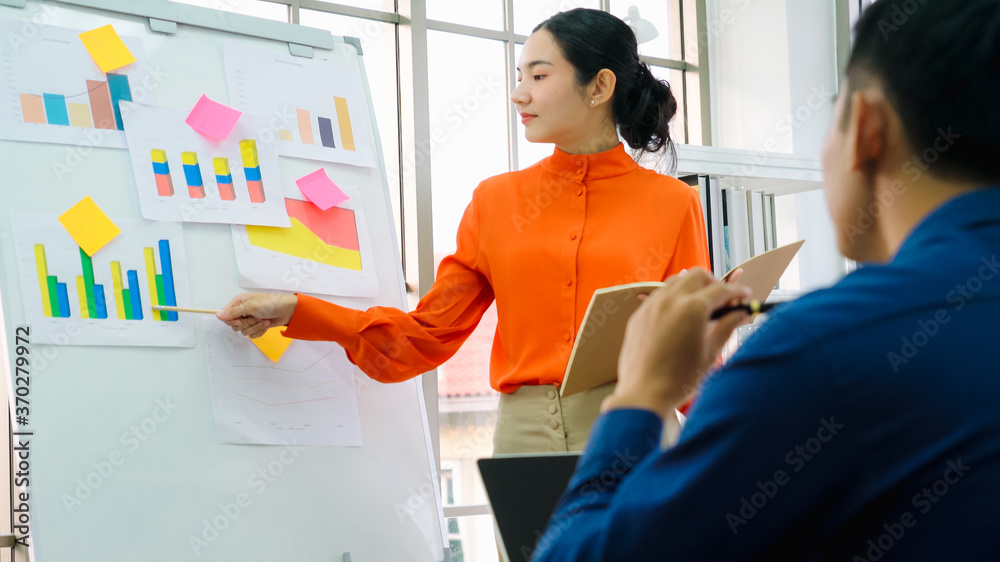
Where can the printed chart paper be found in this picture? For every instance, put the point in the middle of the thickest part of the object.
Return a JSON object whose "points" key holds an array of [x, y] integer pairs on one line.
{"points": [[184, 176], [315, 108], [307, 397], [327, 252], [75, 299], [51, 90]]}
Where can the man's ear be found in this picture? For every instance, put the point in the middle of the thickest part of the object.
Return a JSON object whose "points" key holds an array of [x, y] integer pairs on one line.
{"points": [[602, 87], [868, 127]]}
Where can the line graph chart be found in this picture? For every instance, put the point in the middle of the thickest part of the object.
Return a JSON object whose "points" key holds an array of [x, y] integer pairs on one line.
{"points": [[307, 397]]}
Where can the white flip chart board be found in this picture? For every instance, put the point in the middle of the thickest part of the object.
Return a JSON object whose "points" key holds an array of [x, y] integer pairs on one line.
{"points": [[124, 462]]}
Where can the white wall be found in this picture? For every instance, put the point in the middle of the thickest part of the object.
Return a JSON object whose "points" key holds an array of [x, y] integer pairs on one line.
{"points": [[748, 50], [774, 76]]}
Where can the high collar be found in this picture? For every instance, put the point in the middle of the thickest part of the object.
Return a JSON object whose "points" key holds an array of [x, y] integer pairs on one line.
{"points": [[585, 167], [963, 212]]}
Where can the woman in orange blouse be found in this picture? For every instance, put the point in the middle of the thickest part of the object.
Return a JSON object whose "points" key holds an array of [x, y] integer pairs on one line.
{"points": [[539, 241]]}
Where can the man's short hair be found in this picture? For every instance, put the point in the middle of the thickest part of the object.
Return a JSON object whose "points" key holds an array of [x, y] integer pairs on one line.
{"points": [[938, 62]]}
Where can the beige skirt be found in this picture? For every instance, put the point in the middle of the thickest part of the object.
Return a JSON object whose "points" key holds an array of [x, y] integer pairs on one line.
{"points": [[535, 419]]}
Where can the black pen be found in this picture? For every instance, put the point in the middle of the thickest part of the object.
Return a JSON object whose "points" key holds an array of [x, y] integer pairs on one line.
{"points": [[750, 307]]}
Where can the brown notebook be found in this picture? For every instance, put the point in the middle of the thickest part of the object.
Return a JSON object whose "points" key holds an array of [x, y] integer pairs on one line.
{"points": [[594, 359]]}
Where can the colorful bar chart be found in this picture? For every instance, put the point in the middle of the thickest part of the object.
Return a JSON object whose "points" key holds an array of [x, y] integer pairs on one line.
{"points": [[102, 112], [222, 172], [325, 127], [128, 297], [161, 171], [109, 295], [224, 179], [251, 167], [91, 297], [192, 173]]}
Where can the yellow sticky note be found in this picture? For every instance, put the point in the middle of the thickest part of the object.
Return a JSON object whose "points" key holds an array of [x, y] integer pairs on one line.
{"points": [[106, 48], [89, 226], [273, 344]]}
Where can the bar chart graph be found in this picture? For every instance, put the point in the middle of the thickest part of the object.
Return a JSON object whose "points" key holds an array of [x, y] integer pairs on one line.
{"points": [[195, 181], [181, 175], [324, 115], [111, 292], [102, 112], [306, 126], [51, 91]]}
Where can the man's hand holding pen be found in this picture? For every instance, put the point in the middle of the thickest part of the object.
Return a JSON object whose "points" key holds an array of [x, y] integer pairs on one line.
{"points": [[671, 341]]}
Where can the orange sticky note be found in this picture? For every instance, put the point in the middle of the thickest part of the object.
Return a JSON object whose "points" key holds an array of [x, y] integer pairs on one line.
{"points": [[89, 226], [107, 48], [272, 343]]}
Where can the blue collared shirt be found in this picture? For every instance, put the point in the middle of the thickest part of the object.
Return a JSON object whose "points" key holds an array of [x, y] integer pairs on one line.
{"points": [[861, 422]]}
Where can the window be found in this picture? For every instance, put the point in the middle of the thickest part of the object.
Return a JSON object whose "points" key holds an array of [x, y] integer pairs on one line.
{"points": [[468, 120], [487, 14], [529, 13]]}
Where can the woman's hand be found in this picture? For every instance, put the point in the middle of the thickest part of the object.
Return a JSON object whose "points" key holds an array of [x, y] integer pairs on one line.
{"points": [[252, 314], [734, 276], [670, 342]]}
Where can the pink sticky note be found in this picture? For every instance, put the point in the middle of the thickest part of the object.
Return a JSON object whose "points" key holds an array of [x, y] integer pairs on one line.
{"points": [[320, 189], [212, 119]]}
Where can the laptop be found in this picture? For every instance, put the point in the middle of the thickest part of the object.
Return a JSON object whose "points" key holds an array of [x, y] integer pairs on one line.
{"points": [[523, 492]]}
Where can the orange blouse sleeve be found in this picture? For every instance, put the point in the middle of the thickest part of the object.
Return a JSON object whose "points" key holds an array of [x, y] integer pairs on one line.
{"points": [[390, 345], [692, 242]]}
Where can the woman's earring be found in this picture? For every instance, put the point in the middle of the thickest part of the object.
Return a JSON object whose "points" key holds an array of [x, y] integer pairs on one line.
{"points": [[592, 102]]}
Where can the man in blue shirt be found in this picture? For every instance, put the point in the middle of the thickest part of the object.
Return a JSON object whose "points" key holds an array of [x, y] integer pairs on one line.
{"points": [[861, 422]]}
